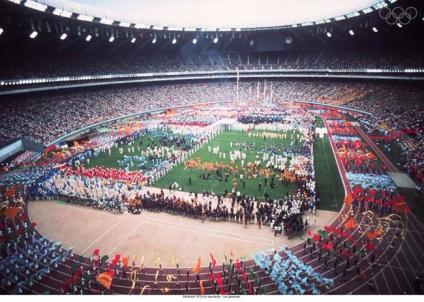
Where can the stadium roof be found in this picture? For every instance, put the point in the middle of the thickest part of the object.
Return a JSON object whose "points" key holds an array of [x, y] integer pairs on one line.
{"points": [[210, 15]]}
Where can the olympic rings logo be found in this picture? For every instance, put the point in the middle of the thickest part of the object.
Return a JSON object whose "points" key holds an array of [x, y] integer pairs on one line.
{"points": [[398, 15]]}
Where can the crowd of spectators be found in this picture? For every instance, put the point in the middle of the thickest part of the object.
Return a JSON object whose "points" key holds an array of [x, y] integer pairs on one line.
{"points": [[46, 118], [398, 112], [95, 64], [393, 107]]}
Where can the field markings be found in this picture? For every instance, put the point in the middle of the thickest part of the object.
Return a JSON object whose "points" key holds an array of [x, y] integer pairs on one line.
{"points": [[204, 225], [102, 235], [190, 230], [126, 237]]}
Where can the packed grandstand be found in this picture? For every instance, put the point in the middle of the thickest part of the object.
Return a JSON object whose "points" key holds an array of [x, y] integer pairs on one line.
{"points": [[254, 171]]}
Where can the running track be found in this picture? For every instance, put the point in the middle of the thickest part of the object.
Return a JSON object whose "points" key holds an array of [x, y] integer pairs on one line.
{"points": [[399, 259]]}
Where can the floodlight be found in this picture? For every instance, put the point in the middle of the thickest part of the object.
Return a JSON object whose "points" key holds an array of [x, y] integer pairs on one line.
{"points": [[111, 39], [374, 29], [63, 36], [35, 5], [215, 40], [194, 41], [174, 41], [329, 34], [1, 31], [66, 14], [154, 40], [133, 40], [88, 38], [124, 24], [351, 32], [85, 18], [33, 34], [106, 21]]}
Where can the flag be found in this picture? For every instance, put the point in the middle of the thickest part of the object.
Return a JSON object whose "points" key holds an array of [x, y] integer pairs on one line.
{"points": [[369, 246], [357, 190], [170, 278], [348, 199], [133, 279], [344, 234], [219, 279], [96, 252], [347, 253], [401, 207], [202, 289], [124, 261], [213, 260], [328, 229], [337, 231], [251, 289], [144, 288], [309, 232], [11, 191], [373, 235], [350, 223], [328, 246], [316, 237], [196, 268], [244, 276], [11, 212], [323, 234], [116, 259], [238, 265], [104, 259], [105, 279]]}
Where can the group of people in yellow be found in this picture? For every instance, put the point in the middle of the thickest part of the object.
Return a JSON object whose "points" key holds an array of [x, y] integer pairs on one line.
{"points": [[210, 166], [252, 170]]}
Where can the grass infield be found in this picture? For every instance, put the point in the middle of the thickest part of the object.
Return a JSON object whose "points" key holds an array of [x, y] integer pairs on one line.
{"points": [[329, 184], [252, 146]]}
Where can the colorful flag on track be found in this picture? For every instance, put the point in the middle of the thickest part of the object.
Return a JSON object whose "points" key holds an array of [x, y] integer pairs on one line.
{"points": [[105, 279], [348, 199], [124, 261], [11, 212], [213, 260], [374, 235], [370, 246], [323, 234], [202, 289], [350, 223], [196, 268]]}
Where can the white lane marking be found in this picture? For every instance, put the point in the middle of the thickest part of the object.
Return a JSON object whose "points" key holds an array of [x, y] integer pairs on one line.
{"points": [[208, 234], [101, 236]]}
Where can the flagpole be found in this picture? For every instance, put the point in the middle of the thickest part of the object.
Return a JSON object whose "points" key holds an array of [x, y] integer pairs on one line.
{"points": [[238, 78], [257, 92], [271, 93]]}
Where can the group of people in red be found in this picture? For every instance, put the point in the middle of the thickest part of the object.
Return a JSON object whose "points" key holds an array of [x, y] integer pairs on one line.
{"points": [[107, 173]]}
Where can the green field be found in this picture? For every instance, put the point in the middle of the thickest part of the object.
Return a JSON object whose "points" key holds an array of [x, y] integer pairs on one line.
{"points": [[252, 147], [329, 184], [111, 161]]}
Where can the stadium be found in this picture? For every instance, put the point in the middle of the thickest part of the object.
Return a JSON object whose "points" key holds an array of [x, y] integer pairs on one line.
{"points": [[217, 148]]}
